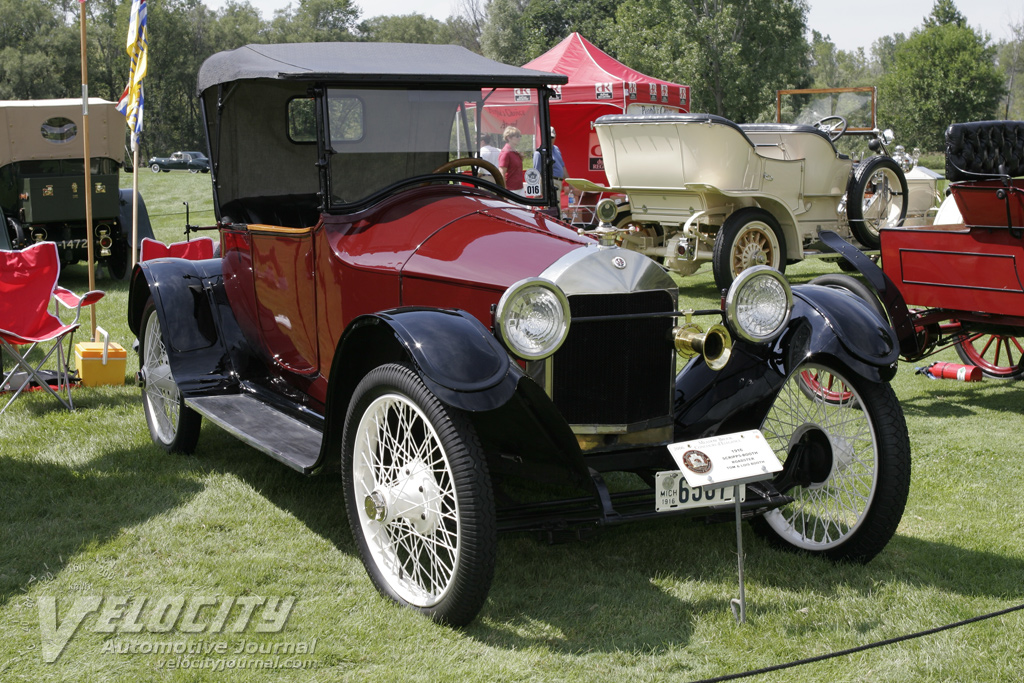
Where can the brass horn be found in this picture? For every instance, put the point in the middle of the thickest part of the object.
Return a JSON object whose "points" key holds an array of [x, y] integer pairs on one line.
{"points": [[715, 345]]}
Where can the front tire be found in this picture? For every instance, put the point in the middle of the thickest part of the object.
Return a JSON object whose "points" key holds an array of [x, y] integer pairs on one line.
{"points": [[172, 425], [846, 464], [155, 168], [749, 237], [876, 199], [418, 496]]}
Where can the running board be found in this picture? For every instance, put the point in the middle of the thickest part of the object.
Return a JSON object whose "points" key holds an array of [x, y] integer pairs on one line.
{"points": [[267, 429]]}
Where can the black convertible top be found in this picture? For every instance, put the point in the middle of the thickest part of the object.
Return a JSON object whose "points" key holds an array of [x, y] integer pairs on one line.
{"points": [[367, 63]]}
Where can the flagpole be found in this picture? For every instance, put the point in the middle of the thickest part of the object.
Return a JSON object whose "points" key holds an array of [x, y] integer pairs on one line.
{"points": [[135, 202], [88, 172]]}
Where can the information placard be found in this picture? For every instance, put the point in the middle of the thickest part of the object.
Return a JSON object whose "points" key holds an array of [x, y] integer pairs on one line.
{"points": [[737, 458]]}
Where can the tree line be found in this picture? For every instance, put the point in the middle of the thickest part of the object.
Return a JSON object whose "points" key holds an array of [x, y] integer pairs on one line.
{"points": [[733, 53]]}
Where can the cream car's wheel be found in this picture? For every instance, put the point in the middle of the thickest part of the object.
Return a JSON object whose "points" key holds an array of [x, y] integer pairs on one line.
{"points": [[418, 497], [846, 464], [876, 199], [749, 237], [172, 425]]}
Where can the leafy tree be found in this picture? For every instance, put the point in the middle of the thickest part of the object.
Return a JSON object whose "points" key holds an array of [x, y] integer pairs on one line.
{"points": [[834, 68], [520, 30], [1011, 63], [733, 53], [315, 21], [943, 73], [407, 28]]}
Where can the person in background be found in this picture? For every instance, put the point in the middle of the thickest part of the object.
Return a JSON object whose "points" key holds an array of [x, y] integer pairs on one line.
{"points": [[488, 152], [557, 170], [510, 161]]}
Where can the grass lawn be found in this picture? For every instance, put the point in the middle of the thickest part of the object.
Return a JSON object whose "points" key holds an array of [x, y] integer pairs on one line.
{"points": [[94, 515]]}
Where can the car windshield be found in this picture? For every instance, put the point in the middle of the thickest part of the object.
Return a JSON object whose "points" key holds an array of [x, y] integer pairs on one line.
{"points": [[856, 105], [380, 137]]}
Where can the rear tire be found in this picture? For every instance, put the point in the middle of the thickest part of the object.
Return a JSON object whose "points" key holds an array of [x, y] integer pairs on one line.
{"points": [[999, 356], [876, 199], [747, 238], [419, 497], [172, 425], [846, 464]]}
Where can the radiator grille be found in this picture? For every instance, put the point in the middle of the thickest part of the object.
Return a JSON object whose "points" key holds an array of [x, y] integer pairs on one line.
{"points": [[617, 371]]}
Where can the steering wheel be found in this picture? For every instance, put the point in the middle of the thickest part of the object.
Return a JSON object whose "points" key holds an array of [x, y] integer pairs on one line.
{"points": [[832, 126], [483, 164]]}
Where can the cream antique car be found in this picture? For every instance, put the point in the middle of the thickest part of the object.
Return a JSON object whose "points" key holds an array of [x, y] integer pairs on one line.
{"points": [[703, 188]]}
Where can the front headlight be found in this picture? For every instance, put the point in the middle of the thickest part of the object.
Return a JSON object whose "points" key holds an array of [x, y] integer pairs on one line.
{"points": [[532, 318], [758, 304]]}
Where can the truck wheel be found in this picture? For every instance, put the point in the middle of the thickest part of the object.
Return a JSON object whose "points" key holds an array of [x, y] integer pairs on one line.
{"points": [[999, 356], [119, 259], [876, 199], [749, 237], [155, 168], [172, 425], [419, 497], [846, 464]]}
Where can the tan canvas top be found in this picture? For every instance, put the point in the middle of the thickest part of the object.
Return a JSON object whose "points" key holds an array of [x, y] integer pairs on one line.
{"points": [[52, 129]]}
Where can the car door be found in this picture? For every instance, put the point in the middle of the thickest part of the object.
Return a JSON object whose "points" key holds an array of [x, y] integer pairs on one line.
{"points": [[283, 275]]}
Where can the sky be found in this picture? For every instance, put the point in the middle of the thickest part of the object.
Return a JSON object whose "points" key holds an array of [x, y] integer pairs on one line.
{"points": [[850, 25]]}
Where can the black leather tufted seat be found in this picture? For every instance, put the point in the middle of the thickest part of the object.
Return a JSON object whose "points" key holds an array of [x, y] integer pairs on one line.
{"points": [[975, 150]]}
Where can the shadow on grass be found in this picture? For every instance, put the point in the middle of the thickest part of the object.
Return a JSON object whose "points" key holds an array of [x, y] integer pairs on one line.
{"points": [[50, 511], [644, 589], [948, 398]]}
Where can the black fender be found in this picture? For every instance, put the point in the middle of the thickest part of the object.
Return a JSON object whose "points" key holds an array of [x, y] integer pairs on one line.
{"points": [[124, 216], [463, 364], [458, 358], [827, 326], [889, 294], [204, 343]]}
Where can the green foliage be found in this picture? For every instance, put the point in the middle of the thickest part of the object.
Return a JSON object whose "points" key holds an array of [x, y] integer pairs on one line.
{"points": [[733, 54], [520, 30], [943, 73], [833, 68]]}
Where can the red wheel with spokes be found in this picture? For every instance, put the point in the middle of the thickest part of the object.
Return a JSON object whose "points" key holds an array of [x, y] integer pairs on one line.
{"points": [[999, 356], [827, 388]]}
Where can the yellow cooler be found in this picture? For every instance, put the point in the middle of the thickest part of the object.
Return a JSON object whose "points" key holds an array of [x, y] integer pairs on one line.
{"points": [[100, 363]]}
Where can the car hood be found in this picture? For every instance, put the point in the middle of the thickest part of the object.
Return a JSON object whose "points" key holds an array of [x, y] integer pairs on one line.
{"points": [[490, 247]]}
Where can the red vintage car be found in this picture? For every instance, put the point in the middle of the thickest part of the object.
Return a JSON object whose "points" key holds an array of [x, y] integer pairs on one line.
{"points": [[469, 363], [959, 283]]}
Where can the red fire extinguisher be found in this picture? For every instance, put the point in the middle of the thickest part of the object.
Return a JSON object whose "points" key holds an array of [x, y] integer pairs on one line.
{"points": [[941, 370]]}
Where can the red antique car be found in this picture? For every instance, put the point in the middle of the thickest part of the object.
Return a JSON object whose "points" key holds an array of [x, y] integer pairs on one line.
{"points": [[469, 363], [959, 284]]}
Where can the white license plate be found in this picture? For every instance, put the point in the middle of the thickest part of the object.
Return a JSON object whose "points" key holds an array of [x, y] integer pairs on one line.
{"points": [[671, 492]]}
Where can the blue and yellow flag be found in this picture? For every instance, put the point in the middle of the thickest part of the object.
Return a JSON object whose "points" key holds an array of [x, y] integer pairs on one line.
{"points": [[133, 98]]}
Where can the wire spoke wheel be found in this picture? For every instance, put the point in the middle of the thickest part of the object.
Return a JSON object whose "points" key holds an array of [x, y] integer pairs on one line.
{"points": [[999, 356], [418, 497], [846, 457], [172, 425]]}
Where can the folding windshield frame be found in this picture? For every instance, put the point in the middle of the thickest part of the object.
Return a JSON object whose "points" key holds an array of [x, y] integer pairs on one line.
{"points": [[327, 149]]}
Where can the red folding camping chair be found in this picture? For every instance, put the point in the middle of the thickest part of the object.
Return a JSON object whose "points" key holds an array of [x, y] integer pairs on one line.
{"points": [[28, 281], [193, 250]]}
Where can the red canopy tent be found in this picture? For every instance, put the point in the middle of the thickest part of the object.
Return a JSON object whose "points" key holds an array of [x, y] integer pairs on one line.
{"points": [[598, 85]]}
